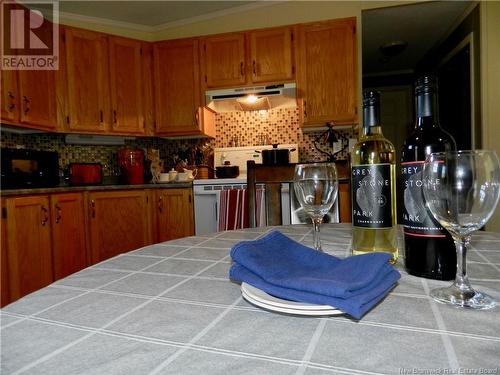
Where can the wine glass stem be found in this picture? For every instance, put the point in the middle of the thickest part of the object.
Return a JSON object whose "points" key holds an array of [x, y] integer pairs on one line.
{"points": [[461, 279], [316, 223]]}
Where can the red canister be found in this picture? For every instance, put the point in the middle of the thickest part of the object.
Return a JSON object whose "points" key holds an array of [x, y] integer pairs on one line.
{"points": [[131, 161]]}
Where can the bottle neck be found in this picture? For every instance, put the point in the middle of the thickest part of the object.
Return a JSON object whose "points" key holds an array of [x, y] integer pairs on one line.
{"points": [[427, 110], [371, 124]]}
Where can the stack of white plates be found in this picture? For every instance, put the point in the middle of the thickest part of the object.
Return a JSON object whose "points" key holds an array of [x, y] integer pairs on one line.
{"points": [[260, 298]]}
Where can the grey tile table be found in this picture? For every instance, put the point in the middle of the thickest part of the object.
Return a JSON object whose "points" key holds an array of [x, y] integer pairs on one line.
{"points": [[169, 308]]}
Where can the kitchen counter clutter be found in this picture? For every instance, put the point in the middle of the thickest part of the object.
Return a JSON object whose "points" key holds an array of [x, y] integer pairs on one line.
{"points": [[169, 308]]}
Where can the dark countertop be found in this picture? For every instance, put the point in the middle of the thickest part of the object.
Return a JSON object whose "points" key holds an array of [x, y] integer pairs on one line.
{"points": [[64, 188]]}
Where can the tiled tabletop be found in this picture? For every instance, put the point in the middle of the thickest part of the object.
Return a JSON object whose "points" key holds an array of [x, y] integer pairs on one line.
{"points": [[170, 309]]}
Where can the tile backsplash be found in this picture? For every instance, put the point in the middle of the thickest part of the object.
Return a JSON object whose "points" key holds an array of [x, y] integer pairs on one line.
{"points": [[280, 126]]}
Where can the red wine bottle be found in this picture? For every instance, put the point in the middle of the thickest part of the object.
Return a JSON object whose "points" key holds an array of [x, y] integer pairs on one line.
{"points": [[429, 248]]}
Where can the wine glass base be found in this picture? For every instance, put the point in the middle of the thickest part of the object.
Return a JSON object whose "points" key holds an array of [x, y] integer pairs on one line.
{"points": [[468, 298]]}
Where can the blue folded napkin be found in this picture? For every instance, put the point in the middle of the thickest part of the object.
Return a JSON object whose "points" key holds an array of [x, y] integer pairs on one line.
{"points": [[286, 269]]}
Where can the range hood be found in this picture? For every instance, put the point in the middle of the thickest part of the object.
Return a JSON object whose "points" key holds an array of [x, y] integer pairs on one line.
{"points": [[252, 98]]}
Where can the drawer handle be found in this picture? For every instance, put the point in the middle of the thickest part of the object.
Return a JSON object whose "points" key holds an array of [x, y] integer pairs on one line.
{"points": [[45, 213], [160, 204], [12, 104], [59, 213], [26, 102]]}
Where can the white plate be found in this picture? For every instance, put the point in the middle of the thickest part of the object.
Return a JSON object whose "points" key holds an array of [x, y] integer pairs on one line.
{"points": [[262, 299]]}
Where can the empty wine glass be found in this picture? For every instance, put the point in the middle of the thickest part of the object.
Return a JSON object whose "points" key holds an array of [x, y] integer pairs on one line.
{"points": [[461, 190], [316, 187]]}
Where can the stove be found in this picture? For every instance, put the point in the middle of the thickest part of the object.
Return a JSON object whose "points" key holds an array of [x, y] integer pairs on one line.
{"points": [[207, 192]]}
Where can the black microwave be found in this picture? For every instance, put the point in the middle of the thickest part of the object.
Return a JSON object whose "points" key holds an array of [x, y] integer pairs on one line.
{"points": [[22, 168]]}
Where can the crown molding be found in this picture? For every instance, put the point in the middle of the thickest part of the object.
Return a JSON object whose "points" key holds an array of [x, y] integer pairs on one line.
{"points": [[65, 16], [216, 14]]}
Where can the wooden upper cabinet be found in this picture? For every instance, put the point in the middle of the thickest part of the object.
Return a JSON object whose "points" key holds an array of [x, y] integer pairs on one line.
{"points": [[9, 103], [177, 88], [125, 63], [28, 98], [224, 62], [327, 71], [271, 55], [29, 248], [87, 78]]}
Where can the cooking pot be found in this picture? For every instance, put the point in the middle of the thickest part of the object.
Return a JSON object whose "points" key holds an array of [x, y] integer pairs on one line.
{"points": [[227, 171], [276, 156]]}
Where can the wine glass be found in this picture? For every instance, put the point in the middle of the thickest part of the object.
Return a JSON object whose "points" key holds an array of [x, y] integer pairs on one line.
{"points": [[461, 190], [316, 187]]}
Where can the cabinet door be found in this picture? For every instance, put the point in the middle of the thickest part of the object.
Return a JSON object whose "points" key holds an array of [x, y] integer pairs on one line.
{"points": [[119, 222], [29, 244], [68, 234], [4, 276], [177, 84], [9, 96], [37, 98], [175, 218], [125, 60], [223, 60], [327, 71], [344, 198], [87, 77], [271, 55]]}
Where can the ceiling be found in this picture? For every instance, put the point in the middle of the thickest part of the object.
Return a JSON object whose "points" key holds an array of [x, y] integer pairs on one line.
{"points": [[421, 25], [152, 13]]}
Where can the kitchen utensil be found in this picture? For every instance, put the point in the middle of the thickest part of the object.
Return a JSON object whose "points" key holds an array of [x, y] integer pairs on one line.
{"points": [[164, 177], [131, 161], [204, 172], [191, 173], [184, 176], [85, 173], [227, 171], [276, 156], [172, 174]]}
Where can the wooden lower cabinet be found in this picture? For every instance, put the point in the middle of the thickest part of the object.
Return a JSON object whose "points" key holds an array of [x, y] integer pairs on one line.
{"points": [[47, 237], [119, 221], [174, 214], [29, 244], [68, 234]]}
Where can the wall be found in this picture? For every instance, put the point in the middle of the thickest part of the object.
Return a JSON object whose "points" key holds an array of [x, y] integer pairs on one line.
{"points": [[490, 85]]}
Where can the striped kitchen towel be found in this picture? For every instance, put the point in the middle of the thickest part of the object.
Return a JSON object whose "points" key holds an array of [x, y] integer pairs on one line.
{"points": [[233, 209]]}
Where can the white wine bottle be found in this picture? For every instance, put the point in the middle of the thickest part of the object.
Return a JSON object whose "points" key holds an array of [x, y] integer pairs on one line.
{"points": [[373, 186]]}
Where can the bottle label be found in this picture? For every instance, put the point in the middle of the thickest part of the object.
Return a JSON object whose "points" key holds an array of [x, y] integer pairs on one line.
{"points": [[417, 219], [371, 196]]}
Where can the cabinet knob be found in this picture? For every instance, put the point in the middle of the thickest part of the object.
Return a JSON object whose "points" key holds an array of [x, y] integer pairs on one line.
{"points": [[45, 214], [305, 108], [242, 69], [101, 116], [254, 68], [115, 120], [92, 208]]}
